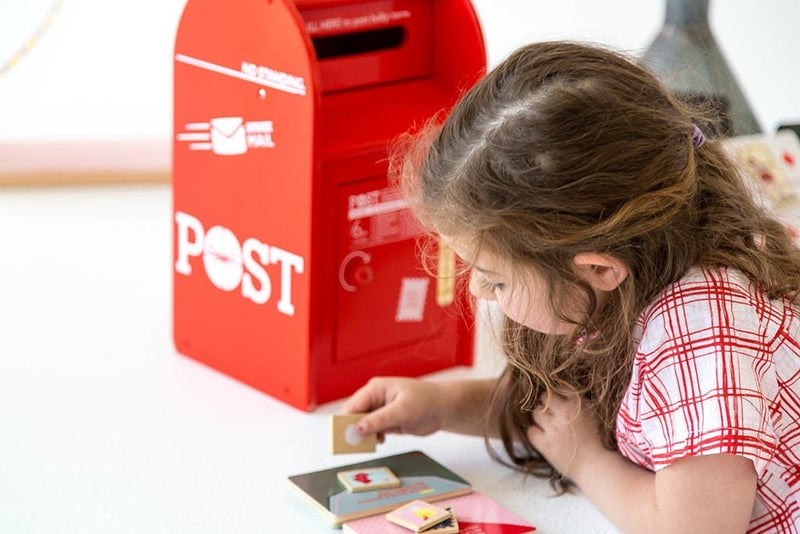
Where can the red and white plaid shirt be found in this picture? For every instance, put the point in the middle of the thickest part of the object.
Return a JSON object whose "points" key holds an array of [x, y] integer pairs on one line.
{"points": [[717, 370]]}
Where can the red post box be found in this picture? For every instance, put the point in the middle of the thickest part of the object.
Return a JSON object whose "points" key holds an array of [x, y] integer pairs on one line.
{"points": [[295, 263]]}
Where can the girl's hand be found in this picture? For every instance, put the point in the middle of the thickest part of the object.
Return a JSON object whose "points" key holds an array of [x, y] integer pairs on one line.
{"points": [[565, 432], [713, 493], [399, 405]]}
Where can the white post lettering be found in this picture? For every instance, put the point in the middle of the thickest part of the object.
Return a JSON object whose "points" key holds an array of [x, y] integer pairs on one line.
{"points": [[255, 269], [288, 263], [187, 248], [229, 264], [222, 258]]}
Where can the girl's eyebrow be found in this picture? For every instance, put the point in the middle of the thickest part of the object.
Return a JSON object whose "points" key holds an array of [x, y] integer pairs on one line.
{"points": [[476, 267], [482, 270]]}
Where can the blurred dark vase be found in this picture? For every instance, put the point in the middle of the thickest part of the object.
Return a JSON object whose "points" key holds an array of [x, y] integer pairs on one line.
{"points": [[685, 57]]}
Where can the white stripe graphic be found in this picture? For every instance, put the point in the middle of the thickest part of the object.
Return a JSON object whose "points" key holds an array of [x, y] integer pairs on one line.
{"points": [[237, 74], [194, 137], [375, 209], [200, 146]]}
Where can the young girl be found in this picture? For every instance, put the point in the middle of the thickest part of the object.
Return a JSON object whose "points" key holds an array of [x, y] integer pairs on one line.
{"points": [[652, 326]]}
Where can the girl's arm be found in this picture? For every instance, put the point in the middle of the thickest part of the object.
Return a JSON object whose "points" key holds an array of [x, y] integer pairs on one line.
{"points": [[699, 494], [413, 406]]}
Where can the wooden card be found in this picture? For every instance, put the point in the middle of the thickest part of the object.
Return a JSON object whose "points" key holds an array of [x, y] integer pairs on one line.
{"points": [[418, 515], [372, 478], [346, 438]]}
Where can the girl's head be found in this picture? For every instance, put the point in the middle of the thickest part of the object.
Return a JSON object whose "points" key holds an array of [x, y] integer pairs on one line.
{"points": [[563, 149], [572, 172]]}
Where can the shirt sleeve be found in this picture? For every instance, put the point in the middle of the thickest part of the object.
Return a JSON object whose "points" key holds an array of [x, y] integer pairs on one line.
{"points": [[706, 366]]}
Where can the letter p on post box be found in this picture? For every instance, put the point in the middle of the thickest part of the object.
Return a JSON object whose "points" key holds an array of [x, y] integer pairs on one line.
{"points": [[295, 261]]}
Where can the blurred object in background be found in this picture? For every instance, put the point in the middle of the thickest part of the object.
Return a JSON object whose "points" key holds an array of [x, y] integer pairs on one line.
{"points": [[771, 163], [793, 127], [685, 56]]}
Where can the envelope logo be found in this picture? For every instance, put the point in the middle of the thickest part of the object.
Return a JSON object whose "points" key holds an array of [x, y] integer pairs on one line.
{"points": [[228, 136]]}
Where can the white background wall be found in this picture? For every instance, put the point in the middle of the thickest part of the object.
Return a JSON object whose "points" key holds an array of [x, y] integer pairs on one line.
{"points": [[102, 70]]}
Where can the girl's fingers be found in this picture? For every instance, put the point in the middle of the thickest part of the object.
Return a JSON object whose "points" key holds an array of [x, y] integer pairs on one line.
{"points": [[385, 419], [370, 397]]}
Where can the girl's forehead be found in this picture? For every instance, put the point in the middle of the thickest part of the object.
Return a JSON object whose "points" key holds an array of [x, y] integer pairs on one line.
{"points": [[478, 257], [461, 245]]}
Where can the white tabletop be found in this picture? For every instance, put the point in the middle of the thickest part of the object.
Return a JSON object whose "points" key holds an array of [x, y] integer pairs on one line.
{"points": [[105, 428]]}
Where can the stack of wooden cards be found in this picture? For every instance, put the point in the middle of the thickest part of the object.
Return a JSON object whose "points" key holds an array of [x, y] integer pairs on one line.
{"points": [[421, 516], [375, 487], [477, 514]]}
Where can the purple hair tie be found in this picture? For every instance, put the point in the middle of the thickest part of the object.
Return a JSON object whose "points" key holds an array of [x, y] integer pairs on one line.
{"points": [[697, 137]]}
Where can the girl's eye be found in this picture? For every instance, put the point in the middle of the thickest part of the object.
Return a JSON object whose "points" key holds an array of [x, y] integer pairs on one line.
{"points": [[491, 286]]}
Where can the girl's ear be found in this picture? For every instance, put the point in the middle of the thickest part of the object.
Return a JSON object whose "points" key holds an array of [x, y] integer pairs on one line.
{"points": [[602, 271]]}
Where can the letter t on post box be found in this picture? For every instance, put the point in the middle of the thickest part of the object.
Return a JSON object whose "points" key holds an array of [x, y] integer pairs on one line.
{"points": [[295, 266]]}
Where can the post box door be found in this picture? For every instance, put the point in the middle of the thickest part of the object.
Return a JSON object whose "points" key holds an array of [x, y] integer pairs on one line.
{"points": [[385, 298]]}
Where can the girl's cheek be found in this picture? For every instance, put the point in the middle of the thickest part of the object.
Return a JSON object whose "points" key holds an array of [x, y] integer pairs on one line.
{"points": [[514, 311], [534, 317]]}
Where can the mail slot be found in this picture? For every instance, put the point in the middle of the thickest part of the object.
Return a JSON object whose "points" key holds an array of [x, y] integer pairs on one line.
{"points": [[295, 262]]}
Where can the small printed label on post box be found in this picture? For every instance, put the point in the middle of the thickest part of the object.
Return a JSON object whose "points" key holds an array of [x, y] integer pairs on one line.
{"points": [[355, 23], [379, 217], [411, 304]]}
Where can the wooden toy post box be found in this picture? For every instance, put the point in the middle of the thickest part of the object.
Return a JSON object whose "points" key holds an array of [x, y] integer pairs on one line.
{"points": [[295, 262]]}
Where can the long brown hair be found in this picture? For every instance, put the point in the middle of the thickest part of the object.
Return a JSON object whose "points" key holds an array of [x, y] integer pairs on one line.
{"points": [[567, 148]]}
